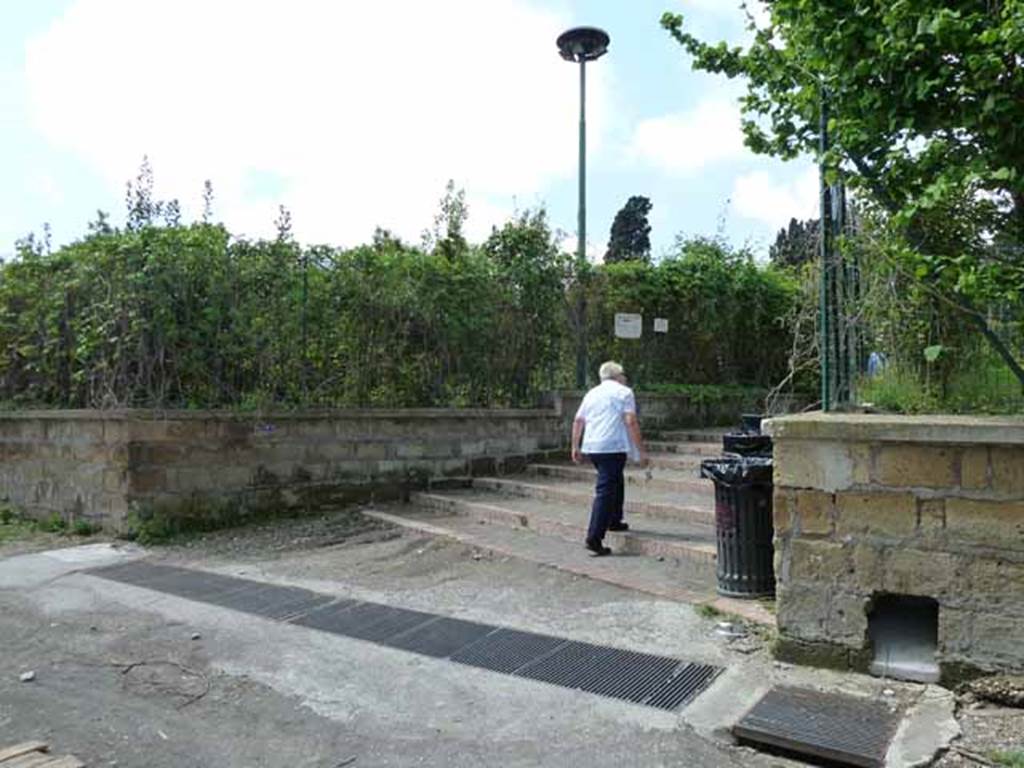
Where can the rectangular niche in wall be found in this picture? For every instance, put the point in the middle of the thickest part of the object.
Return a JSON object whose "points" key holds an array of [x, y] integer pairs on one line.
{"points": [[904, 634]]}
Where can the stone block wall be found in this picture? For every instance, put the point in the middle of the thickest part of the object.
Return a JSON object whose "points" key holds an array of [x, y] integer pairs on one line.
{"points": [[61, 463], [105, 465], [867, 505]]}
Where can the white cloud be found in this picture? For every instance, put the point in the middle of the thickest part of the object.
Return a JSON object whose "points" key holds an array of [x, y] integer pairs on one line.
{"points": [[45, 186], [774, 202], [713, 19], [731, 9], [362, 110], [685, 142]]}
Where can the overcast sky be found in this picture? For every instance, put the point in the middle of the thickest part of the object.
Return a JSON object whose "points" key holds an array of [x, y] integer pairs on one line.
{"points": [[354, 114]]}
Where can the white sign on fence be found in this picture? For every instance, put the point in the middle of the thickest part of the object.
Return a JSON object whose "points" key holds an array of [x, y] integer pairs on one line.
{"points": [[661, 325], [628, 325]]}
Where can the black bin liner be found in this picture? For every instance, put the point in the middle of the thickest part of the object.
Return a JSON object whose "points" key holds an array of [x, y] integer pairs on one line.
{"points": [[743, 444], [750, 423], [743, 524]]}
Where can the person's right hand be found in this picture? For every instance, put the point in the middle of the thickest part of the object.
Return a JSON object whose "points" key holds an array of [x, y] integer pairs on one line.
{"points": [[577, 457], [645, 460]]}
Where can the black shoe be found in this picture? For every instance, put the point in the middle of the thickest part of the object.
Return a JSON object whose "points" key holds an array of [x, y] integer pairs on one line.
{"points": [[618, 527], [598, 549]]}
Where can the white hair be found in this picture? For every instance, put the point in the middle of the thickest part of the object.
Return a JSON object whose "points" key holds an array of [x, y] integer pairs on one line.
{"points": [[610, 370]]}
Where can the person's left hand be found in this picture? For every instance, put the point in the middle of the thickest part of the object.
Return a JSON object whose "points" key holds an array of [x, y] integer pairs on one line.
{"points": [[577, 457]]}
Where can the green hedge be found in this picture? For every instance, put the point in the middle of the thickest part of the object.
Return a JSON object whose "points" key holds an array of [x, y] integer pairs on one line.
{"points": [[726, 314], [187, 316]]}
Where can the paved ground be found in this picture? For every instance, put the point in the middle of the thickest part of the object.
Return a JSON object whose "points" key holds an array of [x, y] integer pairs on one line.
{"points": [[121, 681]]}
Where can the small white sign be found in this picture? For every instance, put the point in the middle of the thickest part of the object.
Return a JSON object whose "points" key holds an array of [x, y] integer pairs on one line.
{"points": [[661, 325], [628, 325]]}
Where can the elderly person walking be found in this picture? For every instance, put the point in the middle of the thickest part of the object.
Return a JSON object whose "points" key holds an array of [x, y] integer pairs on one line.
{"points": [[606, 421]]}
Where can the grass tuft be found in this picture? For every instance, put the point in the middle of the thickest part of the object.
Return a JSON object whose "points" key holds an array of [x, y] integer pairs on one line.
{"points": [[1012, 759]]}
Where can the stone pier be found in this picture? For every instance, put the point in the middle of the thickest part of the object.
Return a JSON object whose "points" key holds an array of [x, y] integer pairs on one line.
{"points": [[870, 509]]}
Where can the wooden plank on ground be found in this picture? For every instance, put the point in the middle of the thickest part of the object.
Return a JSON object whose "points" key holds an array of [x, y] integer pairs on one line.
{"points": [[31, 760], [25, 748]]}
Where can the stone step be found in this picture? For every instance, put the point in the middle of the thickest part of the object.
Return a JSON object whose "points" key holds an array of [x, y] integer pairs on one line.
{"points": [[690, 507], [682, 581], [685, 448], [702, 435], [664, 479], [693, 542], [676, 462]]}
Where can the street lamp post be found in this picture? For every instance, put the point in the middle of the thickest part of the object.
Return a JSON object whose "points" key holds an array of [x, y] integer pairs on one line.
{"points": [[582, 44]]}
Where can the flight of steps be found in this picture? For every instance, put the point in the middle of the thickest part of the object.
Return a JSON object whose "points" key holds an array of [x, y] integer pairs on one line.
{"points": [[541, 515]]}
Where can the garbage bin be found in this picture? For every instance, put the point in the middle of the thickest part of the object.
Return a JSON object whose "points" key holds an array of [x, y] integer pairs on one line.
{"points": [[750, 423], [743, 444], [748, 441], [743, 524]]}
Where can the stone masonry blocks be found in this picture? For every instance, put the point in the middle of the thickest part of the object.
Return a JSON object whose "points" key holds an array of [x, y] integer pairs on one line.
{"points": [[802, 612], [956, 626], [1007, 469], [819, 562], [991, 524], [814, 513], [825, 466], [868, 567], [924, 574], [847, 621], [904, 465], [783, 511], [869, 505], [100, 464], [974, 468], [998, 583], [996, 640], [881, 514]]}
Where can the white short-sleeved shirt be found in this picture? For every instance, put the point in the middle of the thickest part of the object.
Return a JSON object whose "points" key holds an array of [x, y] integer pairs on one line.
{"points": [[603, 412]]}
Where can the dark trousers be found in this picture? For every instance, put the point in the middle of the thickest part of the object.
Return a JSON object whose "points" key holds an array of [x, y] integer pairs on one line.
{"points": [[609, 494]]}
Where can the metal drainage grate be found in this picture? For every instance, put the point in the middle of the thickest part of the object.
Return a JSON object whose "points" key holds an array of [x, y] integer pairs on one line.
{"points": [[271, 602], [570, 666], [843, 729], [198, 585], [364, 621], [255, 597], [642, 678], [507, 650], [688, 682], [441, 638]]}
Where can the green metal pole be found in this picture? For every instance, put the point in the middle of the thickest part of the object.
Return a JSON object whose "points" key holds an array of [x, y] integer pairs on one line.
{"points": [[305, 328], [581, 235], [823, 231]]}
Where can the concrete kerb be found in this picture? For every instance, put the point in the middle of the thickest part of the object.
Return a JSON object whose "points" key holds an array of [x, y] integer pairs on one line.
{"points": [[33, 570], [928, 728], [946, 429], [632, 506]]}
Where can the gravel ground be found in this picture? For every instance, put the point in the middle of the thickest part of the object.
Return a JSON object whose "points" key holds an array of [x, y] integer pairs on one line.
{"points": [[986, 730], [315, 545], [123, 682], [347, 547], [273, 539]]}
